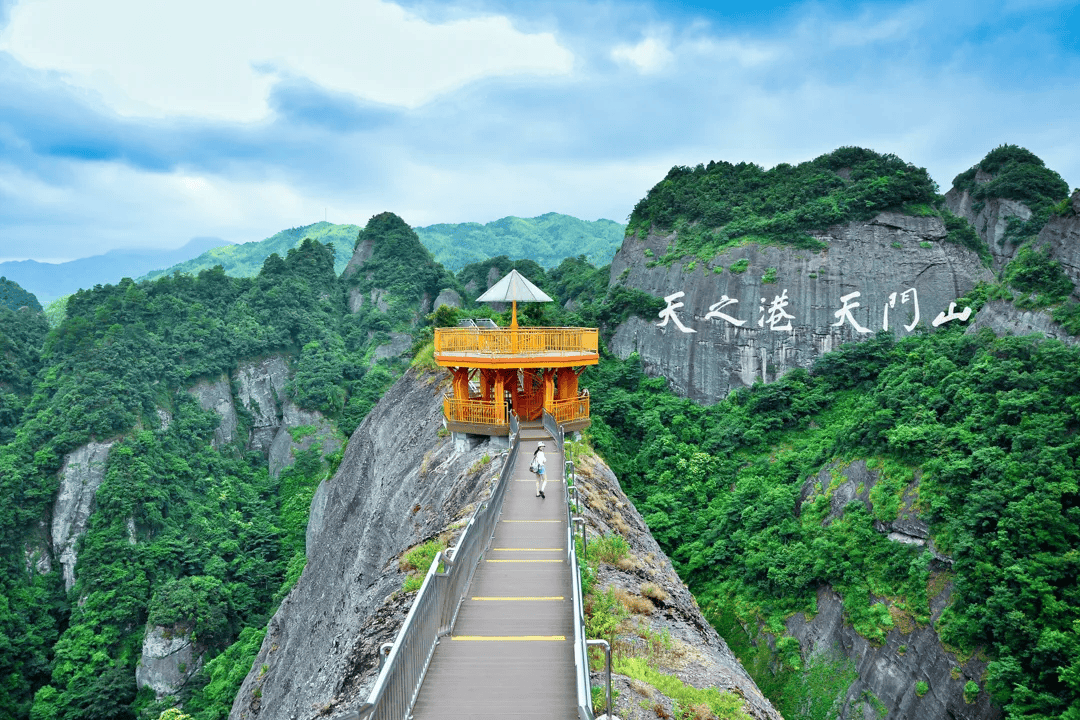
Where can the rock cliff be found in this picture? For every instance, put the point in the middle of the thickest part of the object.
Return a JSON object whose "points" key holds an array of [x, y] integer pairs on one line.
{"points": [[756, 311], [399, 483]]}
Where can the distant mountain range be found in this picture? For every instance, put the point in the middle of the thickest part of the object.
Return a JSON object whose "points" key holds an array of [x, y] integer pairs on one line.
{"points": [[48, 281], [546, 239]]}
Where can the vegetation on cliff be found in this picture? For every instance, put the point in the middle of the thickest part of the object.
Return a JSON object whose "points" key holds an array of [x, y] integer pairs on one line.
{"points": [[714, 206], [983, 430]]}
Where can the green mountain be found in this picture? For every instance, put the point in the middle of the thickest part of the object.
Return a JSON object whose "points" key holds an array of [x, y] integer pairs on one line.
{"points": [[246, 259], [546, 240]]}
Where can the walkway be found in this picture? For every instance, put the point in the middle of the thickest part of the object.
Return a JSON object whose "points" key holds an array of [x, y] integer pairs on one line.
{"points": [[512, 651]]}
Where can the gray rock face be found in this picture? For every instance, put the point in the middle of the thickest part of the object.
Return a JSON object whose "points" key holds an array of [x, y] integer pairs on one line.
{"points": [[892, 671], [726, 329], [699, 656], [1004, 318], [448, 297], [910, 654], [216, 395], [399, 483], [990, 221], [261, 385], [80, 477], [356, 300], [361, 255], [398, 345], [167, 662]]}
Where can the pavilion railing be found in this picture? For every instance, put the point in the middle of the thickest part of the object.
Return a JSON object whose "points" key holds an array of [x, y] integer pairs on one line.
{"points": [[522, 341], [570, 409], [476, 412]]}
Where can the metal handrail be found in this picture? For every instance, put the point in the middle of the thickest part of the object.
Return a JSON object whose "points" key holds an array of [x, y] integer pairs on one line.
{"points": [[516, 341], [434, 611]]}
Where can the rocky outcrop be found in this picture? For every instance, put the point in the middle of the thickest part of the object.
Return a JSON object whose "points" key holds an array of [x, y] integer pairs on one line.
{"points": [[361, 254], [399, 344], [216, 395], [990, 218], [695, 654], [1062, 236], [756, 311], [398, 484], [81, 475], [169, 659], [889, 673], [448, 297]]}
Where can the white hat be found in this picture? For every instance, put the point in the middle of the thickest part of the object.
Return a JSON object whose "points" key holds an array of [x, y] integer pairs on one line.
{"points": [[540, 445]]}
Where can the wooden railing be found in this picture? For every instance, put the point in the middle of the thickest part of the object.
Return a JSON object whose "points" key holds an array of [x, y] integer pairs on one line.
{"points": [[523, 341], [476, 412], [571, 409]]}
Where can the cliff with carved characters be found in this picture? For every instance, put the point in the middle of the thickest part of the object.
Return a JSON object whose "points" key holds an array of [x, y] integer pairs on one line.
{"points": [[755, 311]]}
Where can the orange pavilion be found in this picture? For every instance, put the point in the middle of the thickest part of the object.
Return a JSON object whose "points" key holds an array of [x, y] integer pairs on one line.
{"points": [[524, 370]]}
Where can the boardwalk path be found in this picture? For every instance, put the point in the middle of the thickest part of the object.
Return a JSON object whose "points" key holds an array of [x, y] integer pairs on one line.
{"points": [[511, 654]]}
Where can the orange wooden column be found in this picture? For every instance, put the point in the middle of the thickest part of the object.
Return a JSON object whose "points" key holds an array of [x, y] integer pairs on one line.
{"points": [[549, 390], [461, 383]]}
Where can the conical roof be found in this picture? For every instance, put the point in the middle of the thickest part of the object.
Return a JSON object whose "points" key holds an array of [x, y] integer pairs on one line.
{"points": [[514, 286]]}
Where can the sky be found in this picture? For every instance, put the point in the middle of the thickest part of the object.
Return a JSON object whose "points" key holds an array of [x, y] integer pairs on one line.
{"points": [[134, 124]]}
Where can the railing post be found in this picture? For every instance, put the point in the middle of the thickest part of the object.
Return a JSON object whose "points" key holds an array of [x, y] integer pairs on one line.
{"points": [[607, 653], [584, 547]]}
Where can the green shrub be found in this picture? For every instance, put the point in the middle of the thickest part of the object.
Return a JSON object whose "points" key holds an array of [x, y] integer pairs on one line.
{"points": [[971, 691], [609, 548], [921, 688], [739, 266]]}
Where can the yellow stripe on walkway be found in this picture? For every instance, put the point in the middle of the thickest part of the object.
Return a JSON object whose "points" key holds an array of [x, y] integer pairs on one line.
{"points": [[510, 638], [494, 599], [529, 549]]}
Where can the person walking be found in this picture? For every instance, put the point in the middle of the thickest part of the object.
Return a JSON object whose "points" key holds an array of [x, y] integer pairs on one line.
{"points": [[539, 461]]}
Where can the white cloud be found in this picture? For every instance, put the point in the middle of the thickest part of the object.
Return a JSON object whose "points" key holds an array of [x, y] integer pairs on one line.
{"points": [[649, 56], [214, 58]]}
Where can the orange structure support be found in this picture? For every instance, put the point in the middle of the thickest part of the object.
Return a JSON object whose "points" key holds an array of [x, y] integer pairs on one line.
{"points": [[527, 370]]}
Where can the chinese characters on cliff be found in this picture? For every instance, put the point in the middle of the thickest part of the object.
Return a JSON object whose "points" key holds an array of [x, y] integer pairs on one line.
{"points": [[774, 315]]}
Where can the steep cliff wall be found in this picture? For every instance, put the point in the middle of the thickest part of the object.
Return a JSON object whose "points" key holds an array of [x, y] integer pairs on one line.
{"points": [[755, 311], [398, 484]]}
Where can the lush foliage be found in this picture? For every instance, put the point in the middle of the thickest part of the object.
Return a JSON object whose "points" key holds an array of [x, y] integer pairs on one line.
{"points": [[717, 205], [13, 297], [982, 431]]}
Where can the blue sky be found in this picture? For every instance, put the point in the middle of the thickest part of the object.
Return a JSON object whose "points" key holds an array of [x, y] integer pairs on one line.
{"points": [[132, 124]]}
